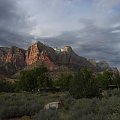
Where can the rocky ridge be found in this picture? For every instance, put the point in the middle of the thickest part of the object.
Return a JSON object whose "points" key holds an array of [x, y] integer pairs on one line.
{"points": [[14, 58]]}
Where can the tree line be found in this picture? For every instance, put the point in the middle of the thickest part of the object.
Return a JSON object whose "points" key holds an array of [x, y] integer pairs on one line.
{"points": [[83, 83]]}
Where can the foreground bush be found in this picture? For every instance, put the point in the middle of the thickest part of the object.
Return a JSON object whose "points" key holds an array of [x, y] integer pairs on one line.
{"points": [[18, 105], [84, 109], [84, 84], [47, 115], [6, 86]]}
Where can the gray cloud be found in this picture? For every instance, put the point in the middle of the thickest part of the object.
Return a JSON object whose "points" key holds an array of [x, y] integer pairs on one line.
{"points": [[92, 42], [13, 27], [93, 32]]}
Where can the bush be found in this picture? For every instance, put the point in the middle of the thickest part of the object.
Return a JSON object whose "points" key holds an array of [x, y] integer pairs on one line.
{"points": [[64, 82], [93, 109], [114, 92], [18, 105], [32, 80], [6, 86], [108, 78], [84, 84], [46, 115]]}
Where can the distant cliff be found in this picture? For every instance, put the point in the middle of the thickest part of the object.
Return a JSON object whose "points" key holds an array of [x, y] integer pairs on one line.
{"points": [[11, 59], [14, 59]]}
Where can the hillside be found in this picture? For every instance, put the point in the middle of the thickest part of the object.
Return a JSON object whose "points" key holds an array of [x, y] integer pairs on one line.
{"points": [[14, 59]]}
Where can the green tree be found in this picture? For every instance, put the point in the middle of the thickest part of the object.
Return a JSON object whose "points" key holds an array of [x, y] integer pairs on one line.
{"points": [[6, 86], [33, 79], [84, 84], [64, 81], [107, 78]]}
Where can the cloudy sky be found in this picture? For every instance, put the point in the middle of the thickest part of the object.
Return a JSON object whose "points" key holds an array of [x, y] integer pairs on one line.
{"points": [[91, 27]]}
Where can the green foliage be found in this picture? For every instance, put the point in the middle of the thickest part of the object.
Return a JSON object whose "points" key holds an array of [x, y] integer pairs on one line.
{"points": [[46, 115], [108, 78], [64, 81], [6, 86], [84, 109], [33, 79], [95, 109], [18, 105], [84, 84]]}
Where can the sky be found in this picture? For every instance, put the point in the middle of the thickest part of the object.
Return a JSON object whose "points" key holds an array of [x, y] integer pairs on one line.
{"points": [[91, 27]]}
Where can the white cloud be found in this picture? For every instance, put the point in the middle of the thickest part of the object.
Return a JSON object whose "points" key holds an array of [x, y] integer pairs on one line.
{"points": [[115, 31], [116, 25]]}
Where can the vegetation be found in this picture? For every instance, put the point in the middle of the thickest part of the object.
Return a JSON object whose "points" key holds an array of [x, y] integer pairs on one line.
{"points": [[108, 78], [6, 86], [32, 80], [84, 84], [80, 93], [27, 104], [85, 109], [18, 105], [64, 81]]}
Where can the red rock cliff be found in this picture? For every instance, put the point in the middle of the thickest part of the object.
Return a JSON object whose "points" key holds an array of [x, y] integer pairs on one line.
{"points": [[16, 57], [40, 52], [32, 54]]}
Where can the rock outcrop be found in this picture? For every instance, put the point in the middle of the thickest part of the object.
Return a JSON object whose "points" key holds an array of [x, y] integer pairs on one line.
{"points": [[11, 60], [69, 58], [14, 58], [40, 52], [52, 59], [3, 54], [32, 54]]}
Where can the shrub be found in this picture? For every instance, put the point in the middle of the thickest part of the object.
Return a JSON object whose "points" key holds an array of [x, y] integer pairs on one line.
{"points": [[6, 86], [19, 105], [108, 78], [84, 84], [64, 81], [46, 115], [31, 80], [114, 92]]}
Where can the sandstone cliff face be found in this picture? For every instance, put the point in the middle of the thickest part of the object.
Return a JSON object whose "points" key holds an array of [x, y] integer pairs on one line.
{"points": [[3, 54], [52, 59], [40, 52], [11, 60], [32, 54], [16, 56], [47, 62]]}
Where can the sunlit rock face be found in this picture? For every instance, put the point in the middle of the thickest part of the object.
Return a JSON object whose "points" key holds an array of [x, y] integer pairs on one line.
{"points": [[32, 54], [13, 55], [16, 57], [51, 58], [11, 60], [40, 52]]}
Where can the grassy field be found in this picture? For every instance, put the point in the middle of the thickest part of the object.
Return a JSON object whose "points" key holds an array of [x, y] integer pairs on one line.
{"points": [[27, 106]]}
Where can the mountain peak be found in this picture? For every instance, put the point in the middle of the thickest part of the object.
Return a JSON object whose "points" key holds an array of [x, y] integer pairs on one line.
{"points": [[51, 58], [68, 48], [38, 43]]}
